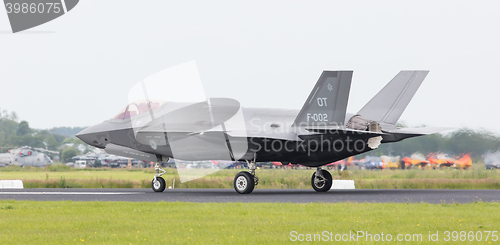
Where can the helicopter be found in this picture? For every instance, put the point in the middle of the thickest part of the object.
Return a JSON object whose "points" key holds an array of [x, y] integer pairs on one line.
{"points": [[25, 156]]}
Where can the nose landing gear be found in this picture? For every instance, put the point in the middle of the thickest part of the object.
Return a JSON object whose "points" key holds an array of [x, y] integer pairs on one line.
{"points": [[158, 184]]}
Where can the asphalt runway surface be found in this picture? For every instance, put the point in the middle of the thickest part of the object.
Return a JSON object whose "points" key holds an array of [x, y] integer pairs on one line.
{"points": [[259, 195]]}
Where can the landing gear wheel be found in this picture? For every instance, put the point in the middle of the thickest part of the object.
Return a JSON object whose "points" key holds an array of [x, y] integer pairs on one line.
{"points": [[244, 183], [322, 184], [158, 185]]}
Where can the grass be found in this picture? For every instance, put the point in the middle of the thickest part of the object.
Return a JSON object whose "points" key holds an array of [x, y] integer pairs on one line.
{"points": [[67, 222], [429, 184], [122, 174], [58, 176], [85, 183]]}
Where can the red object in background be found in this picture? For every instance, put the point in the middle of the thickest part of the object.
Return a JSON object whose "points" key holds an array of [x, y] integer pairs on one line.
{"points": [[345, 162]]}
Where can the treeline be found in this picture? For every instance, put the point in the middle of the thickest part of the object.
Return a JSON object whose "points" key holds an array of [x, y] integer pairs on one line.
{"points": [[15, 134], [66, 131], [464, 140]]}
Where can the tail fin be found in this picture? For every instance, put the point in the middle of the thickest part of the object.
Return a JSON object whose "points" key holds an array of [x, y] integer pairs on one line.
{"points": [[388, 105], [327, 103]]}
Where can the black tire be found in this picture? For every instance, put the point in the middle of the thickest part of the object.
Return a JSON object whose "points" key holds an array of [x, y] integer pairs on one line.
{"points": [[160, 187], [244, 183], [323, 186]]}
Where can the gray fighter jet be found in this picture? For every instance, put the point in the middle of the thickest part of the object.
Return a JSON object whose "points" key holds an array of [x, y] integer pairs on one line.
{"points": [[318, 134], [25, 156]]}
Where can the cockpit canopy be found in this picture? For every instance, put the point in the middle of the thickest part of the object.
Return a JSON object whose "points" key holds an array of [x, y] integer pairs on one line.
{"points": [[138, 107]]}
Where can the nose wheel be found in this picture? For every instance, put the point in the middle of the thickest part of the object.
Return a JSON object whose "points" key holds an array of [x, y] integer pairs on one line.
{"points": [[158, 184], [321, 180]]}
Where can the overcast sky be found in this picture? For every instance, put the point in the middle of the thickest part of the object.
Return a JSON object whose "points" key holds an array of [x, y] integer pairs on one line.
{"points": [[77, 70]]}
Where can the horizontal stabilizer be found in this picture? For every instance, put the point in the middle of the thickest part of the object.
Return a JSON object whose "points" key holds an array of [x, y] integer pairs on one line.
{"points": [[341, 131], [388, 105], [419, 131], [327, 103], [334, 130], [397, 134]]}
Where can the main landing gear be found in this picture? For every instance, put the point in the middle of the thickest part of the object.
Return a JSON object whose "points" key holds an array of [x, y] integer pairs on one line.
{"points": [[321, 180], [245, 182], [158, 184]]}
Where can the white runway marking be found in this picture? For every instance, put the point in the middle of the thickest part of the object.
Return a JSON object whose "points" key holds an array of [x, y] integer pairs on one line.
{"points": [[68, 193]]}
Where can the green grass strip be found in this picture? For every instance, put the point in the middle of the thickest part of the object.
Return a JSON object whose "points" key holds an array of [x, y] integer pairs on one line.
{"points": [[67, 222]]}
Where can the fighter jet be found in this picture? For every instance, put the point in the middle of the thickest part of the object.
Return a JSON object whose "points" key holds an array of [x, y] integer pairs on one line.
{"points": [[24, 156], [318, 134]]}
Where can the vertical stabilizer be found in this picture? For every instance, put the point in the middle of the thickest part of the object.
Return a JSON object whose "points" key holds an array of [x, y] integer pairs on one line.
{"points": [[327, 103], [388, 105]]}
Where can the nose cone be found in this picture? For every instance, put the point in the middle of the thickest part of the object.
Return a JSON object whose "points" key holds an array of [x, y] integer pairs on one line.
{"points": [[93, 136], [85, 134]]}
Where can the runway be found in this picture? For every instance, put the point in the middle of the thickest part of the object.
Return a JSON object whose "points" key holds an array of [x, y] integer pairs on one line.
{"points": [[259, 195]]}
